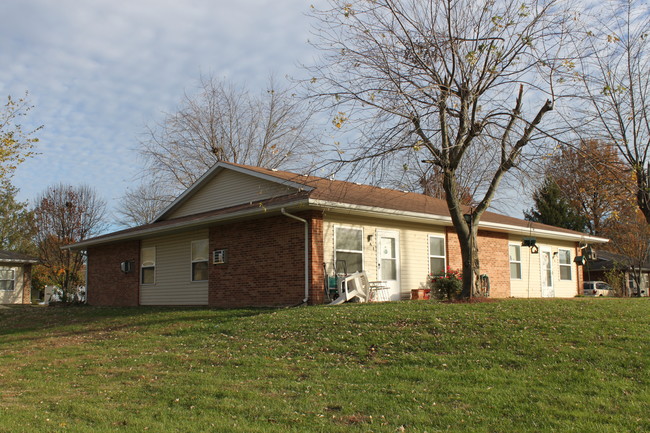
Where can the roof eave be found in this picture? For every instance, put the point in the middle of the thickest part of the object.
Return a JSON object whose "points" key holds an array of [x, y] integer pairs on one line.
{"points": [[426, 218], [152, 231]]}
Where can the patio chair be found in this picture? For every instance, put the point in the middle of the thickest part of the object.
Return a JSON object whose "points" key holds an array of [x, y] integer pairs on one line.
{"points": [[353, 286]]}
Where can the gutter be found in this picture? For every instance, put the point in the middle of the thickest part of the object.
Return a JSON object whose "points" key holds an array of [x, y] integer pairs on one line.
{"points": [[304, 221], [425, 218]]}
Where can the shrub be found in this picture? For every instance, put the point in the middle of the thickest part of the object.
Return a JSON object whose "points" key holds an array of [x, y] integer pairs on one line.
{"points": [[446, 285]]}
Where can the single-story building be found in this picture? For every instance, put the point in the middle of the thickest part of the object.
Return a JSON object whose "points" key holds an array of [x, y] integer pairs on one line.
{"points": [[249, 236], [630, 269], [16, 277]]}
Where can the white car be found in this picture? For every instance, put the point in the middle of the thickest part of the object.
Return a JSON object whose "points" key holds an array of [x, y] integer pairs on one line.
{"points": [[597, 288]]}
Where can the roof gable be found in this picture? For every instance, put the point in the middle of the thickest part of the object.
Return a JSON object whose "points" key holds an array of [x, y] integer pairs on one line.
{"points": [[227, 185]]}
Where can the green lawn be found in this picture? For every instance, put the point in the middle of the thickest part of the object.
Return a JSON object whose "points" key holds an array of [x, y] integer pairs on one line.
{"points": [[579, 365]]}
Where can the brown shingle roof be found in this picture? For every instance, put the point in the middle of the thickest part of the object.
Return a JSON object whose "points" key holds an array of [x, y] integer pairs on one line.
{"points": [[14, 257], [366, 195], [332, 191]]}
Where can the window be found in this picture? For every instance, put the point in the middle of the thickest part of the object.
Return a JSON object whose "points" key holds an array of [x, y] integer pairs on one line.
{"points": [[148, 265], [436, 255], [515, 262], [565, 264], [348, 248], [7, 279], [200, 256]]}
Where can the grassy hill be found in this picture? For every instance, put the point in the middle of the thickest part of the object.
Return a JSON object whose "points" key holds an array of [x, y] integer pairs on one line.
{"points": [[580, 365]]}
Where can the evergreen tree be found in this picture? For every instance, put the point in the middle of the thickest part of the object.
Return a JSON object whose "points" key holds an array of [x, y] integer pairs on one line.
{"points": [[16, 221], [552, 208]]}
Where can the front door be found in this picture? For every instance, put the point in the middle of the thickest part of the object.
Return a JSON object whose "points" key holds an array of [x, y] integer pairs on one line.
{"points": [[388, 266], [546, 262]]}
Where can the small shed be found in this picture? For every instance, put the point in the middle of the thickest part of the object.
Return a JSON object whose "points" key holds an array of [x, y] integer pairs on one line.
{"points": [[16, 277]]}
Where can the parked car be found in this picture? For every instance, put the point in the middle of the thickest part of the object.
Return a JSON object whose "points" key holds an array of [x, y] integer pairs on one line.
{"points": [[597, 288]]}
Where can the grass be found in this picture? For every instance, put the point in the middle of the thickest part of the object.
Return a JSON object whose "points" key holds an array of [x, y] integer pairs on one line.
{"points": [[579, 365]]}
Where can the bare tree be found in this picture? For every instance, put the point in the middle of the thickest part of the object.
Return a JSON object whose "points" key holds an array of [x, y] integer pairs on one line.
{"points": [[64, 215], [440, 78], [225, 123], [142, 204], [616, 84]]}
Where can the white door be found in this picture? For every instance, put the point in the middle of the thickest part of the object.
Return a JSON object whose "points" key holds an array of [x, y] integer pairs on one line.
{"points": [[546, 262], [388, 267]]}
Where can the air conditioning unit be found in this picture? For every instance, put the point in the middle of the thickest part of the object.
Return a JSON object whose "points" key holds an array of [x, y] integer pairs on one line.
{"points": [[219, 257]]}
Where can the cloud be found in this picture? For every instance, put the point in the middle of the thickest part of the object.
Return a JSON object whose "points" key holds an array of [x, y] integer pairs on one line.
{"points": [[98, 71]]}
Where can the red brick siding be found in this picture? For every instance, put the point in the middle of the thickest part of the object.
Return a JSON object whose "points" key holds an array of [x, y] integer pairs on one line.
{"points": [[107, 284], [316, 257], [27, 284], [493, 259], [266, 263]]}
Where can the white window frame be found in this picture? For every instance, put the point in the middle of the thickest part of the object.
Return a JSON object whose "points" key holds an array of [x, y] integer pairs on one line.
{"points": [[518, 262], [431, 256], [566, 265], [142, 266], [360, 229], [206, 261], [12, 279]]}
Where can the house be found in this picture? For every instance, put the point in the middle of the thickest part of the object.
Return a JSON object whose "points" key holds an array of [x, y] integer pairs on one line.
{"points": [[16, 277], [249, 236], [629, 268]]}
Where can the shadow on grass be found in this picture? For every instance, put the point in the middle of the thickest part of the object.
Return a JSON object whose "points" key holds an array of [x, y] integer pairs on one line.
{"points": [[23, 323]]}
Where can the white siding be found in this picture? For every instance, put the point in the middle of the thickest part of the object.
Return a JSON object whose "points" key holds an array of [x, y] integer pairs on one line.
{"points": [[414, 247], [229, 188], [173, 284], [15, 296], [530, 284]]}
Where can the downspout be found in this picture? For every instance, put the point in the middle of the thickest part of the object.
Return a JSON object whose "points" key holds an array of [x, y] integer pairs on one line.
{"points": [[285, 213], [85, 253]]}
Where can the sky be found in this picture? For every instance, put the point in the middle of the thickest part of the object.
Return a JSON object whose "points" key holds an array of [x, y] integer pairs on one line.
{"points": [[99, 71]]}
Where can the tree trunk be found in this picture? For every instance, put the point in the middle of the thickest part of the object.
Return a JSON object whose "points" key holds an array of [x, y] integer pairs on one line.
{"points": [[643, 191], [470, 259]]}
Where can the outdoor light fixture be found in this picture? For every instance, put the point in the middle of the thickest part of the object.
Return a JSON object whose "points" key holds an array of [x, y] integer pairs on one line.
{"points": [[580, 260], [528, 242]]}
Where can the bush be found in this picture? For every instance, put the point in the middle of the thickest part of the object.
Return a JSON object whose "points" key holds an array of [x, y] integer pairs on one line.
{"points": [[446, 285]]}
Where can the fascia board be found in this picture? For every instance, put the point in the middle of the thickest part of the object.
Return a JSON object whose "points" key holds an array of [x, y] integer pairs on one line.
{"points": [[19, 262], [526, 231], [445, 220], [154, 231], [380, 212], [213, 171]]}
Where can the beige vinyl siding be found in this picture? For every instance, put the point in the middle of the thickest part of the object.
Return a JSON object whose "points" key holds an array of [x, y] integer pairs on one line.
{"points": [[229, 188], [15, 296], [413, 252], [173, 275], [530, 283]]}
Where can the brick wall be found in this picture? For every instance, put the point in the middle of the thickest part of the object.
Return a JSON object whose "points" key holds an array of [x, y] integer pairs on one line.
{"points": [[27, 284], [493, 259], [107, 284], [266, 263]]}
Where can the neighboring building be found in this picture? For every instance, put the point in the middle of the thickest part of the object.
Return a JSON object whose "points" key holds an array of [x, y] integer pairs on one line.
{"points": [[606, 262], [16, 278], [248, 236]]}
